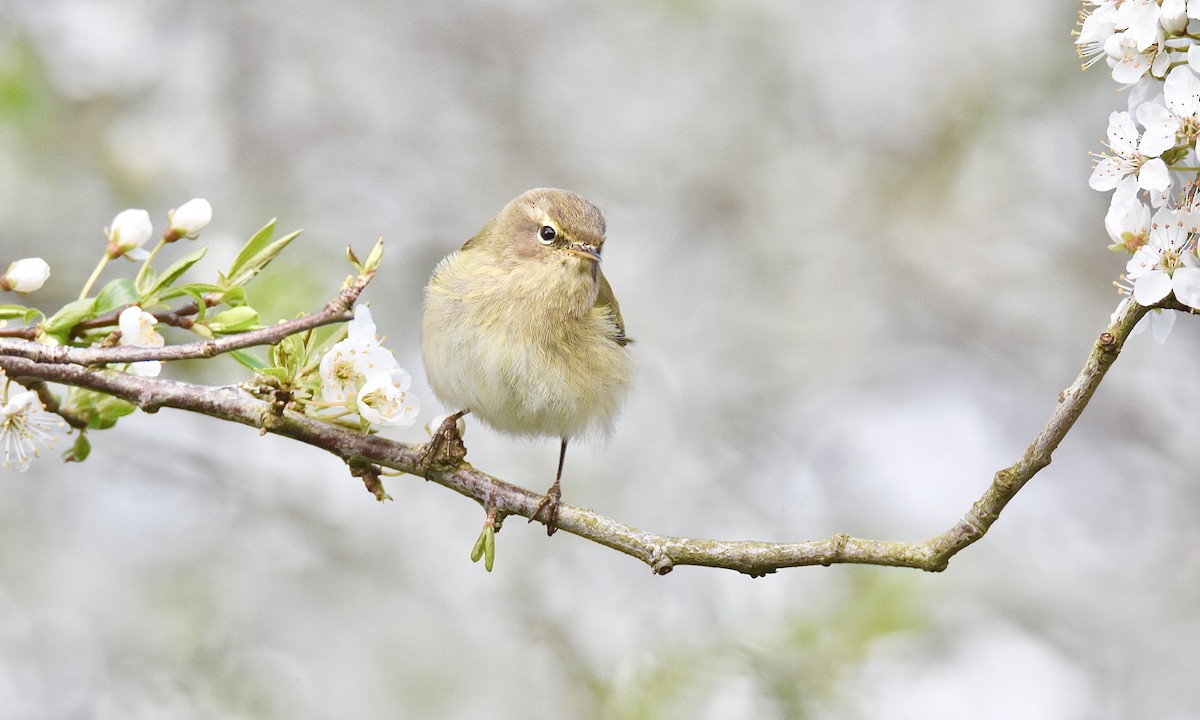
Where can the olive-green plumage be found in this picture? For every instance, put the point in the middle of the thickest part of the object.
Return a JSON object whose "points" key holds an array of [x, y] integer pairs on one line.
{"points": [[521, 328]]}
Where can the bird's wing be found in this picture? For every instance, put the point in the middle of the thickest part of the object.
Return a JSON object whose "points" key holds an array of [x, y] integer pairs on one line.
{"points": [[606, 302], [477, 239]]}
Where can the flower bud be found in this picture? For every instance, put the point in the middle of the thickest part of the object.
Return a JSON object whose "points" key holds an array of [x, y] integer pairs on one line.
{"points": [[189, 219], [130, 229], [25, 276]]}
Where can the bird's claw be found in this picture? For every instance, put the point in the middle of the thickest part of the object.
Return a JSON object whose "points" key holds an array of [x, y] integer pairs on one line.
{"points": [[445, 448], [550, 505]]}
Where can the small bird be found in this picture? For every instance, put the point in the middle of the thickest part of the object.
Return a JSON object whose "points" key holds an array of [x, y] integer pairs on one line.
{"points": [[522, 329]]}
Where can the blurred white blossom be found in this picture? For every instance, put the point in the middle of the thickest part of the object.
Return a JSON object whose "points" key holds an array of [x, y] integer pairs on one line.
{"points": [[25, 276], [137, 330], [26, 428], [130, 230], [190, 218]]}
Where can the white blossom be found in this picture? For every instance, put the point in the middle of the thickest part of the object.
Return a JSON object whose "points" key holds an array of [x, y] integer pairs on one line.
{"points": [[1128, 220], [1129, 159], [1097, 27], [1165, 264], [1140, 21], [384, 399], [1178, 121]]}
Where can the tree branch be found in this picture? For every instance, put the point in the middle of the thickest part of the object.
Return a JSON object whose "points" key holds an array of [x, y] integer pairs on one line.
{"points": [[662, 553]]}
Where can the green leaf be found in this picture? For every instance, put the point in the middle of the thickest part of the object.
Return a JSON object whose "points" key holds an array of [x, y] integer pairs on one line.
{"points": [[109, 412], [101, 411], [232, 320], [234, 297], [252, 247], [79, 450], [251, 361], [196, 291], [70, 315], [489, 547], [147, 279], [485, 547], [477, 551], [116, 294], [179, 267], [318, 341], [14, 312], [291, 354], [275, 372], [374, 257], [255, 256]]}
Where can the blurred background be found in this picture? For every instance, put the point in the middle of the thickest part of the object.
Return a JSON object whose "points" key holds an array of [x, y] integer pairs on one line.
{"points": [[855, 244]]}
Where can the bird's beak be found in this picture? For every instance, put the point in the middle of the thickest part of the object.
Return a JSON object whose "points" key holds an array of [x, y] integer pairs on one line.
{"points": [[585, 251]]}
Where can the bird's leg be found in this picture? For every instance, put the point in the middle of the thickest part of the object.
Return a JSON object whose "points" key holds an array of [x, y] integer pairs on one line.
{"points": [[445, 449], [553, 495]]}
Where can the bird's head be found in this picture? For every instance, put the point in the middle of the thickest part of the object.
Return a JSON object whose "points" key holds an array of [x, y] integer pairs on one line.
{"points": [[551, 226]]}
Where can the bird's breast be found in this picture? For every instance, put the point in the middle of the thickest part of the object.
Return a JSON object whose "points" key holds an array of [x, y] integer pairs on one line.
{"points": [[524, 350]]}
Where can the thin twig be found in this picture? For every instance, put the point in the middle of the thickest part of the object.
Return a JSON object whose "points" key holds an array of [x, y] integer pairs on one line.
{"points": [[338, 310], [28, 332], [181, 317]]}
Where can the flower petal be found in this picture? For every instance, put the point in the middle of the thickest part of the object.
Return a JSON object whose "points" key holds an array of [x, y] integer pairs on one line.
{"points": [[1186, 284], [1153, 176], [1161, 322], [1162, 127], [1151, 287], [1182, 91], [1122, 133], [1107, 174]]}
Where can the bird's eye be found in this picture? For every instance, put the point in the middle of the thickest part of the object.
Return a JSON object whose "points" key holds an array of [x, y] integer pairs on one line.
{"points": [[547, 234]]}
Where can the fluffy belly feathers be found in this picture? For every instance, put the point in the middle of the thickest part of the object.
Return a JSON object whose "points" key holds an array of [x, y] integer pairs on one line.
{"points": [[517, 375]]}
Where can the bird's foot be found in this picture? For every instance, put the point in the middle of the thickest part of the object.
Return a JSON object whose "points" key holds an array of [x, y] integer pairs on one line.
{"points": [[445, 448], [550, 505]]}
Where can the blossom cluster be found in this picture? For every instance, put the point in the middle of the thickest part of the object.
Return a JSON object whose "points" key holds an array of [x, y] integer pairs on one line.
{"points": [[359, 375], [1151, 165]]}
